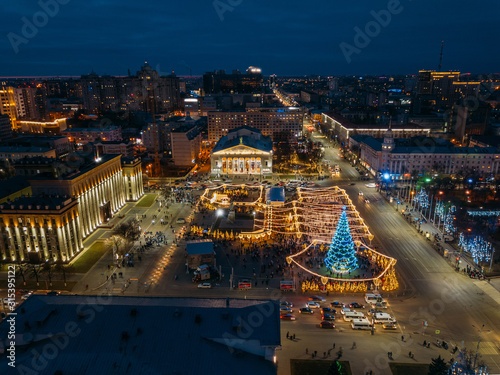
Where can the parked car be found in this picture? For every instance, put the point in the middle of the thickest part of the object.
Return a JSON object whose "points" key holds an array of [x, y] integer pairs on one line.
{"points": [[325, 324], [180, 220], [356, 305], [285, 309], [326, 310], [389, 326], [313, 305], [306, 310], [287, 304], [373, 312], [53, 293], [204, 286], [337, 304], [327, 317], [316, 298], [287, 317]]}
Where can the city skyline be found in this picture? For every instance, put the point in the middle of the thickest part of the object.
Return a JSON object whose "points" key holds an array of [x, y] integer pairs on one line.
{"points": [[236, 34]]}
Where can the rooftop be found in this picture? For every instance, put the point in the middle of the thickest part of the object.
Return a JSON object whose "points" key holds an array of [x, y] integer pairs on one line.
{"points": [[33, 202], [12, 185], [145, 335], [255, 141], [200, 247]]}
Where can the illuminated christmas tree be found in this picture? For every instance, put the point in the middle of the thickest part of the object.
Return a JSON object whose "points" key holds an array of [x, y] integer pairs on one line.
{"points": [[341, 256]]}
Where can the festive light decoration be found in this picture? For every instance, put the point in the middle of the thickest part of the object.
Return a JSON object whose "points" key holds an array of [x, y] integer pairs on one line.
{"points": [[463, 366], [449, 226], [311, 218], [422, 199], [479, 249], [341, 257]]}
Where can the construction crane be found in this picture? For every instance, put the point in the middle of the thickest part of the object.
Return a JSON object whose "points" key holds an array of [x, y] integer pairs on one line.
{"points": [[441, 56], [156, 165]]}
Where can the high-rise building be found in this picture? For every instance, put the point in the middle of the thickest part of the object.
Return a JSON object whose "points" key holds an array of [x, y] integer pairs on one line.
{"points": [[8, 105], [5, 128], [236, 82], [278, 123], [107, 93]]}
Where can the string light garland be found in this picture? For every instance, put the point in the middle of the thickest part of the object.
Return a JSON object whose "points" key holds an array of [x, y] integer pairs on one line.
{"points": [[311, 217], [341, 257], [479, 249]]}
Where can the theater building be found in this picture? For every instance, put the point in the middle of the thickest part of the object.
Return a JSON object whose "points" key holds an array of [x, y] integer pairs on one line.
{"points": [[243, 150]]}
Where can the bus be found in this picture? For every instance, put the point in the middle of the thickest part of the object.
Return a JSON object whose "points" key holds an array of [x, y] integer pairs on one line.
{"points": [[286, 285], [350, 315], [244, 285], [361, 324]]}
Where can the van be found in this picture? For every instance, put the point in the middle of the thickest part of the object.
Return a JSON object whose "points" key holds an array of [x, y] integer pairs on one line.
{"points": [[380, 318], [372, 298], [361, 324], [350, 315]]}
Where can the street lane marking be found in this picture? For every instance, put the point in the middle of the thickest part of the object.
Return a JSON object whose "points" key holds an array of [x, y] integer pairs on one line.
{"points": [[488, 348], [489, 290]]}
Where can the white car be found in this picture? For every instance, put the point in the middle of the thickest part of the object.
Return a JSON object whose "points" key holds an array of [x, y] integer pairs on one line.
{"points": [[26, 296], [180, 221], [204, 286], [360, 193], [313, 305], [343, 311]]}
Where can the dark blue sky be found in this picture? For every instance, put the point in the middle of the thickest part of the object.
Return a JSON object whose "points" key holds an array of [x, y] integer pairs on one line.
{"points": [[281, 36]]}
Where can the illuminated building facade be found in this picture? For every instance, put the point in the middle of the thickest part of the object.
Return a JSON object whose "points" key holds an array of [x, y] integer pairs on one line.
{"points": [[344, 129], [64, 209], [277, 123], [82, 136], [243, 151], [132, 175], [8, 105], [43, 127], [99, 189], [37, 229]]}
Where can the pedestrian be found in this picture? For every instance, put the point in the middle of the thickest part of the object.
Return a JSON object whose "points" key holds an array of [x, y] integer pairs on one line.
{"points": [[409, 354], [307, 351], [354, 345], [294, 336], [402, 338], [315, 353], [287, 334], [425, 342], [333, 345]]}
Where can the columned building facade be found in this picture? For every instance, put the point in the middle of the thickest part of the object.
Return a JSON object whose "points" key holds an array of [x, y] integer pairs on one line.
{"points": [[64, 209], [132, 177], [36, 230], [243, 151]]}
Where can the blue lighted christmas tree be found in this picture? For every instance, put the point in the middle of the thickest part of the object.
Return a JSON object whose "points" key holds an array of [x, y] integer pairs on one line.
{"points": [[341, 256]]}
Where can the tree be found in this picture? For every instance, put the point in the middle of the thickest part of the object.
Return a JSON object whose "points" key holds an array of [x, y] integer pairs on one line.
{"points": [[341, 257], [438, 367], [129, 230]]}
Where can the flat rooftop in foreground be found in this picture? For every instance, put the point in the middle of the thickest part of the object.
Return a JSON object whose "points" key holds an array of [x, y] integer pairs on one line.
{"points": [[145, 335]]}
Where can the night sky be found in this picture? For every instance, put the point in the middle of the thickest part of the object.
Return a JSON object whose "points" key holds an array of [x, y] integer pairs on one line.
{"points": [[289, 37]]}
